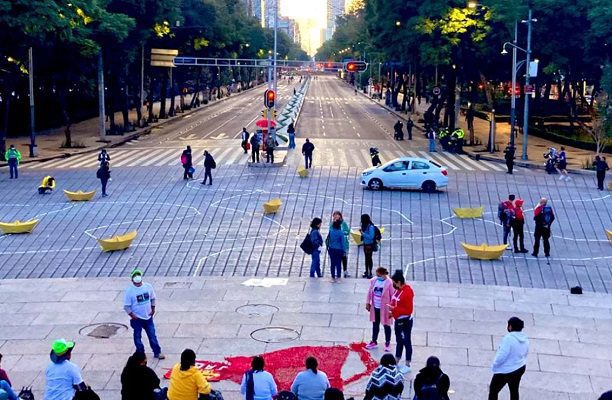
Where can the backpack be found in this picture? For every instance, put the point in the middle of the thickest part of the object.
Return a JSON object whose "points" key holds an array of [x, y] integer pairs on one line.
{"points": [[26, 394], [214, 164], [501, 215], [547, 215], [377, 238], [183, 159], [286, 395], [307, 246], [509, 216], [430, 392]]}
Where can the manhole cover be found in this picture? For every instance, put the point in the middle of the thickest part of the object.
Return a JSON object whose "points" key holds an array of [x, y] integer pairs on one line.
{"points": [[177, 285], [275, 334], [256, 310], [103, 331]]}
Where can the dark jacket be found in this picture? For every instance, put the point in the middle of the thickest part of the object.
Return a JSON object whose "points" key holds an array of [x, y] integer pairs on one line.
{"points": [[291, 128], [429, 376], [254, 142], [539, 217], [601, 165], [316, 239], [138, 383], [103, 173], [189, 161], [509, 153], [209, 161], [308, 148]]}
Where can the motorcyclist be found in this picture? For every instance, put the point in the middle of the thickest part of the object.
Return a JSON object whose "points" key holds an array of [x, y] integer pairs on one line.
{"points": [[552, 158], [444, 138], [458, 134]]}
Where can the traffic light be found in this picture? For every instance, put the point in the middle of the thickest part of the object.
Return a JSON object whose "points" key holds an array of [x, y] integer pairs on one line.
{"points": [[264, 114], [355, 66], [269, 97]]}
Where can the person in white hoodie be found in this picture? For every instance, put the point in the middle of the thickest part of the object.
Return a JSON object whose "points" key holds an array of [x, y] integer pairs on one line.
{"points": [[510, 360]]}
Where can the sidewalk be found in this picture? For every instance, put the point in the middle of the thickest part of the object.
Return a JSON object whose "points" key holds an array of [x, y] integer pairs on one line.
{"points": [[570, 355]]}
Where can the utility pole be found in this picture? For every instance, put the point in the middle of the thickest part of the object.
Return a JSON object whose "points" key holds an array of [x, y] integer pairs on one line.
{"points": [[513, 98], [141, 82], [275, 72], [526, 111], [101, 112], [32, 114]]}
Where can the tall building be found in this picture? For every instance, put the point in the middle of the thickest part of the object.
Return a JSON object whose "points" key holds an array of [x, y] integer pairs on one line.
{"points": [[290, 27], [334, 9]]}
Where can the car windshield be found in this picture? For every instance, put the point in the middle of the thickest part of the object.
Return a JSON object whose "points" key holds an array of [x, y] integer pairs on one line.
{"points": [[397, 166]]}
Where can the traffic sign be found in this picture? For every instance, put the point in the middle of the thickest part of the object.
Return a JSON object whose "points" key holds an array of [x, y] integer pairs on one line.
{"points": [[355, 66], [163, 57], [436, 90]]}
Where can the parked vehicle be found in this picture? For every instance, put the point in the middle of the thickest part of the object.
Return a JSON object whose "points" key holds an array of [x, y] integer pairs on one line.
{"points": [[406, 173]]}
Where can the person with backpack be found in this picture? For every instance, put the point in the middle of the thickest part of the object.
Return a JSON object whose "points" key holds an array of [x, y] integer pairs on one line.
{"points": [[335, 248], [431, 383], [402, 308], [138, 382], [510, 360], [254, 148], [368, 238], [103, 174], [506, 216], [518, 225], [209, 165], [377, 303], [310, 384], [245, 140], [337, 216], [270, 144], [307, 150], [187, 163], [258, 384], [543, 216], [13, 157], [386, 382], [316, 241], [601, 166]]}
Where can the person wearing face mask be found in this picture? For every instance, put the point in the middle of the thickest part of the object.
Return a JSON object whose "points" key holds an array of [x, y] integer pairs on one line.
{"points": [[402, 307], [139, 304], [377, 303]]}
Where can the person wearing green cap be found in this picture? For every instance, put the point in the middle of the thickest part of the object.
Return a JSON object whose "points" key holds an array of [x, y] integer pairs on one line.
{"points": [[139, 304], [63, 377]]}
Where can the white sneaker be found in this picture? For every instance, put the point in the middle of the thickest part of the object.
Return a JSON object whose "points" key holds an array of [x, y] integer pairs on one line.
{"points": [[404, 369], [562, 178]]}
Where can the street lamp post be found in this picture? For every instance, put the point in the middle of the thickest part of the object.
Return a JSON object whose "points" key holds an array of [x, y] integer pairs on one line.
{"points": [[526, 111], [32, 113], [513, 99]]}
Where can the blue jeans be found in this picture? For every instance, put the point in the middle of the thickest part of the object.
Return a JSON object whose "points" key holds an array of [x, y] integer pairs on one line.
{"points": [[308, 160], [315, 265], [149, 327], [335, 256], [403, 330], [12, 162], [7, 388], [432, 145], [292, 140]]}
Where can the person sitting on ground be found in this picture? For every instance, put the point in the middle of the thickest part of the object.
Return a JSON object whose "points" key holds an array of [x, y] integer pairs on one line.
{"points": [[138, 382], [6, 386], [431, 382], [257, 384], [47, 184], [186, 381], [386, 381], [63, 377], [3, 374], [312, 383]]}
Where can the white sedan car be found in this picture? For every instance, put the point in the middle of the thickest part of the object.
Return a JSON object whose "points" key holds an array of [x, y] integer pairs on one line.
{"points": [[406, 173]]}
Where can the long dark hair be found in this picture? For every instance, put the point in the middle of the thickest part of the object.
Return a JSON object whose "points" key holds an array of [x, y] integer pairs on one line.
{"points": [[398, 276], [258, 363], [315, 223], [365, 221], [136, 359], [188, 359], [312, 364]]}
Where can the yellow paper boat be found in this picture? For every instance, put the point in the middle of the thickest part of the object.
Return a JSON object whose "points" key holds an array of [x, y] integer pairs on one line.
{"points": [[272, 206], [120, 242], [302, 172], [609, 185], [79, 195], [356, 235], [469, 212], [484, 251], [18, 226], [609, 233]]}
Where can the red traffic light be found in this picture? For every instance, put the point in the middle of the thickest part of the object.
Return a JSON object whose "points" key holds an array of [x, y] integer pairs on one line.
{"points": [[355, 66], [269, 97]]}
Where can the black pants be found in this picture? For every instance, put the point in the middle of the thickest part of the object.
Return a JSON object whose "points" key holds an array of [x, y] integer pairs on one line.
{"points": [[270, 155], [207, 174], [186, 174], [519, 234], [376, 328], [510, 165], [601, 176], [409, 133], [542, 233], [255, 154], [104, 182], [513, 379], [369, 263], [244, 146], [344, 262], [308, 160]]}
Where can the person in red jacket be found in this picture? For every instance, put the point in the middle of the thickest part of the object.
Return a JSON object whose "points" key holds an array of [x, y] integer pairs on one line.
{"points": [[401, 307], [518, 224]]}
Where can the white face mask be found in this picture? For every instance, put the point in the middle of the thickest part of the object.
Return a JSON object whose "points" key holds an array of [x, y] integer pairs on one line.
{"points": [[137, 279]]}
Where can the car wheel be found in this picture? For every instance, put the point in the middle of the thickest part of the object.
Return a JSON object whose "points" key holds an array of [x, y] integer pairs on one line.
{"points": [[375, 184], [428, 186]]}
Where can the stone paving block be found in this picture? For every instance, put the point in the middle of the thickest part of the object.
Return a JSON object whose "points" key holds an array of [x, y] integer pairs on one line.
{"points": [[556, 382], [502, 317], [497, 293], [331, 334], [238, 318], [335, 308], [430, 301], [234, 347], [447, 355], [206, 331], [544, 346], [351, 298], [460, 302], [199, 294], [444, 313], [28, 378], [10, 318], [304, 319], [541, 296], [565, 321], [480, 358], [97, 296], [598, 337], [510, 306], [431, 325], [84, 317], [65, 306], [579, 366], [24, 332], [443, 339], [118, 317], [589, 350], [582, 312], [477, 327], [600, 384], [595, 300], [463, 373], [283, 306]]}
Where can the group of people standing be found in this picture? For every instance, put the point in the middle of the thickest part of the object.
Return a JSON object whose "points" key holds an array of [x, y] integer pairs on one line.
{"points": [[189, 170]]}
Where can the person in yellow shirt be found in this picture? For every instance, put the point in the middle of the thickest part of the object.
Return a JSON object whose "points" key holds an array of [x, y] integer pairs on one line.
{"points": [[186, 381]]}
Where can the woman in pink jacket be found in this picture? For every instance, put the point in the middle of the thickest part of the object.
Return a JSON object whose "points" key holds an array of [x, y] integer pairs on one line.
{"points": [[377, 303]]}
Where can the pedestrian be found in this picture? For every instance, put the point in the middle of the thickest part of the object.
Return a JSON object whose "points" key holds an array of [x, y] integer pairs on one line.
{"points": [[409, 126], [209, 165], [187, 163], [307, 149], [601, 166], [337, 216], [377, 303], [368, 238], [258, 384], [518, 224], [270, 149], [562, 166], [254, 148], [375, 156], [510, 360], [386, 382], [509, 156], [506, 216], [13, 157], [139, 304], [543, 216], [291, 132], [104, 175], [317, 241], [5, 384], [186, 381], [335, 249], [245, 140], [138, 382], [431, 382], [606, 396], [310, 384], [401, 307], [469, 118], [397, 129], [431, 135], [103, 157], [63, 378]]}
